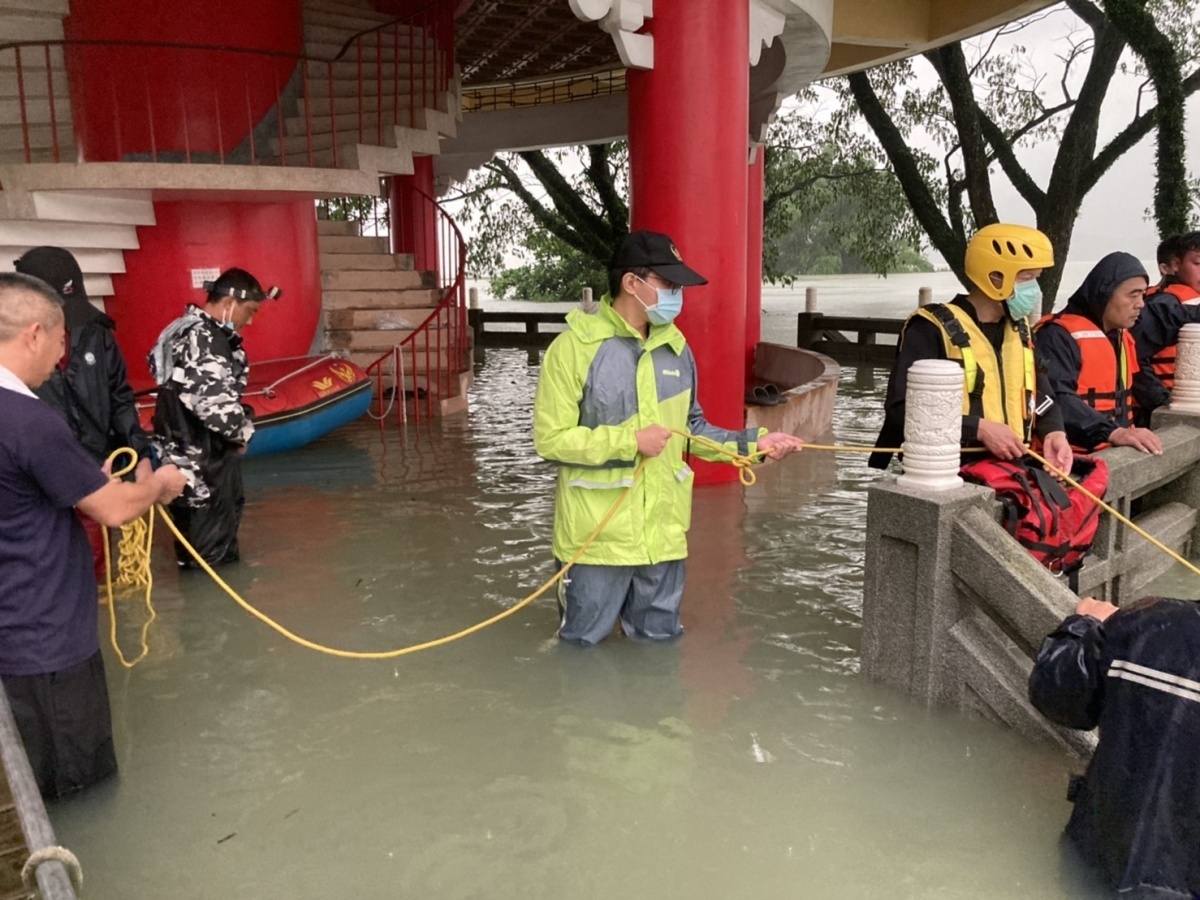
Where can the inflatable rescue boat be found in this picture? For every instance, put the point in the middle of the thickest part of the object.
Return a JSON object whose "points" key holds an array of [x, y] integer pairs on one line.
{"points": [[295, 401]]}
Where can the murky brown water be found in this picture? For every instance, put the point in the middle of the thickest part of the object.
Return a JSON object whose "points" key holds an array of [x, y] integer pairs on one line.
{"points": [[748, 759]]}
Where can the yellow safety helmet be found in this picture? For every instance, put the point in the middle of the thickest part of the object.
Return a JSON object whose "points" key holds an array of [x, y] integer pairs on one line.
{"points": [[1006, 250]]}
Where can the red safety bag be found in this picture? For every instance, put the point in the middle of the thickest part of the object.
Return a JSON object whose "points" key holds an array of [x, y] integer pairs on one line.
{"points": [[1055, 522]]}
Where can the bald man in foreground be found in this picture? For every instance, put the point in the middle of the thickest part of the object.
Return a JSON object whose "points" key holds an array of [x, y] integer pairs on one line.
{"points": [[50, 662]]}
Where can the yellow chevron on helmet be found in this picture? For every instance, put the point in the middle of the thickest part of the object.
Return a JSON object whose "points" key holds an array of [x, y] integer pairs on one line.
{"points": [[1006, 250]]}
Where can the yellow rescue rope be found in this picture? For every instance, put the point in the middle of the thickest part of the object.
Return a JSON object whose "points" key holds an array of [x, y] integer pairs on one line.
{"points": [[1116, 515], [745, 474], [133, 566]]}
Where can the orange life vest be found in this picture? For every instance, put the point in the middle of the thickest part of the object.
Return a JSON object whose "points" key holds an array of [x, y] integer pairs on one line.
{"points": [[1105, 378], [1162, 363]]}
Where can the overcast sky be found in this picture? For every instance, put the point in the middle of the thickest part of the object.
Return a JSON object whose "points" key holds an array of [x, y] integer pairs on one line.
{"points": [[1114, 215]]}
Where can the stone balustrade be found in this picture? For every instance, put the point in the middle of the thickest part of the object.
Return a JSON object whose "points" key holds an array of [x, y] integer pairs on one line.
{"points": [[954, 609]]}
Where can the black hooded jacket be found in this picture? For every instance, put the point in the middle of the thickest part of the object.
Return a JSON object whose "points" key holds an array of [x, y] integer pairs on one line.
{"points": [[1136, 676], [93, 391], [1059, 352]]}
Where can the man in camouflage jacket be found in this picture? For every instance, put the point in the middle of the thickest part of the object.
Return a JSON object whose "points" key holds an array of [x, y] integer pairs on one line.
{"points": [[200, 423]]}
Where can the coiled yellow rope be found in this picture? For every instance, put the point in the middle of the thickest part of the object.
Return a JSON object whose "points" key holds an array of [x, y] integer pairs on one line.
{"points": [[133, 566]]}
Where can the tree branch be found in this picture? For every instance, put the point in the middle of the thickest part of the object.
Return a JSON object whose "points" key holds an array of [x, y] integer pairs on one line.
{"points": [[920, 197]]}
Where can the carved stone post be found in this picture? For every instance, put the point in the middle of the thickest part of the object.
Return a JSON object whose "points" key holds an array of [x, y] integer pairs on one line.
{"points": [[932, 425], [810, 300], [924, 296], [1185, 397]]}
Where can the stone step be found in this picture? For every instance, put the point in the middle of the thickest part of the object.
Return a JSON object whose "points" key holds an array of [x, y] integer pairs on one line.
{"points": [[36, 155], [20, 25], [348, 103], [37, 110], [338, 227], [68, 234], [107, 207], [370, 281], [381, 341], [361, 262], [56, 8], [35, 85], [411, 298], [387, 160], [331, 242], [377, 319], [95, 263], [374, 127], [350, 20], [40, 137], [327, 48]]}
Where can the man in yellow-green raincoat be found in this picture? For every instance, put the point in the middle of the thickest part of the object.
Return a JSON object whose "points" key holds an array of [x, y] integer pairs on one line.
{"points": [[611, 388]]}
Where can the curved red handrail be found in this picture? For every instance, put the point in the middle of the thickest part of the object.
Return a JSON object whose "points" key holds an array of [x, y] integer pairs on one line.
{"points": [[440, 340]]}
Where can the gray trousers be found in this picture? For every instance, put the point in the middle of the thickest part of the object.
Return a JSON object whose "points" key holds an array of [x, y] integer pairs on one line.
{"points": [[645, 599]]}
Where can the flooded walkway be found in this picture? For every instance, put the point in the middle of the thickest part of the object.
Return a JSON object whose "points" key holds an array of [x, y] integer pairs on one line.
{"points": [[748, 759]]}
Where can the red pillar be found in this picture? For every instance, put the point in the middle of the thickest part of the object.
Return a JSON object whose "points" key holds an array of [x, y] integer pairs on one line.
{"points": [[754, 253], [687, 151], [413, 218]]}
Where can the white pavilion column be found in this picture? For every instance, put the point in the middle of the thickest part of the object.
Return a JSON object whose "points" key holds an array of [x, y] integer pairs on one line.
{"points": [[933, 425], [1185, 397]]}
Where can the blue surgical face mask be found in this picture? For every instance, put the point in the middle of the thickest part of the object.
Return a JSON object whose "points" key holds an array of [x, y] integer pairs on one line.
{"points": [[1027, 296], [668, 306]]}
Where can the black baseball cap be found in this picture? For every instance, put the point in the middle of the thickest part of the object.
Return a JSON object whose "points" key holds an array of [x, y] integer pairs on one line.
{"points": [[55, 266], [656, 252]]}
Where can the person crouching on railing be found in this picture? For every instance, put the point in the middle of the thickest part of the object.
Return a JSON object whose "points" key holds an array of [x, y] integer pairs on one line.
{"points": [[1091, 359], [1006, 401], [1135, 673]]}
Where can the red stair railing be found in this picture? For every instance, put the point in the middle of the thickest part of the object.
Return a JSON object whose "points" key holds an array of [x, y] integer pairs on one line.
{"points": [[437, 352], [173, 102]]}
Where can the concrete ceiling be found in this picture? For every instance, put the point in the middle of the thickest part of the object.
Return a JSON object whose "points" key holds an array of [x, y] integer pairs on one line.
{"points": [[520, 40]]}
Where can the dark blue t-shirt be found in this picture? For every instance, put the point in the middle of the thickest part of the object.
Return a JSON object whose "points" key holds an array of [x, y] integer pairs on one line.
{"points": [[47, 584]]}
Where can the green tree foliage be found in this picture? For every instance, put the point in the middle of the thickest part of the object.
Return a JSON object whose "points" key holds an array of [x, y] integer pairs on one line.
{"points": [[829, 206], [992, 99], [560, 213], [826, 209]]}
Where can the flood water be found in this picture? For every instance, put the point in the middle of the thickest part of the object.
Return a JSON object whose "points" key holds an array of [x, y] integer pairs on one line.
{"points": [[749, 759]]}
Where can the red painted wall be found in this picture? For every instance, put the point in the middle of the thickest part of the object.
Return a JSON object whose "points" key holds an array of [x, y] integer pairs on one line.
{"points": [[276, 242], [754, 254], [132, 101], [413, 217]]}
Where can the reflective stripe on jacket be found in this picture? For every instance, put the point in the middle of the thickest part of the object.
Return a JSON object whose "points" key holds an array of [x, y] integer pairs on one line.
{"points": [[1162, 363], [996, 388], [600, 383], [1104, 381]]}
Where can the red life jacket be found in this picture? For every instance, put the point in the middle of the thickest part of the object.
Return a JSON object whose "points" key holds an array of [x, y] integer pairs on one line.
{"points": [[1162, 363], [1056, 523], [1105, 381]]}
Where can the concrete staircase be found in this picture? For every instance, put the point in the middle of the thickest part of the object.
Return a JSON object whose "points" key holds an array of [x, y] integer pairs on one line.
{"points": [[400, 115], [93, 209], [374, 300], [34, 20], [96, 226]]}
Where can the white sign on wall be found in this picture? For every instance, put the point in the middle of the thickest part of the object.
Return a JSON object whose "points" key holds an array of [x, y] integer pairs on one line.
{"points": [[199, 276]]}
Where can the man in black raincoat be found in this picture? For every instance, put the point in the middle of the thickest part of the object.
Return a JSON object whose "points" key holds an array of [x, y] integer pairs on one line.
{"points": [[1090, 358], [1135, 673], [90, 385]]}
